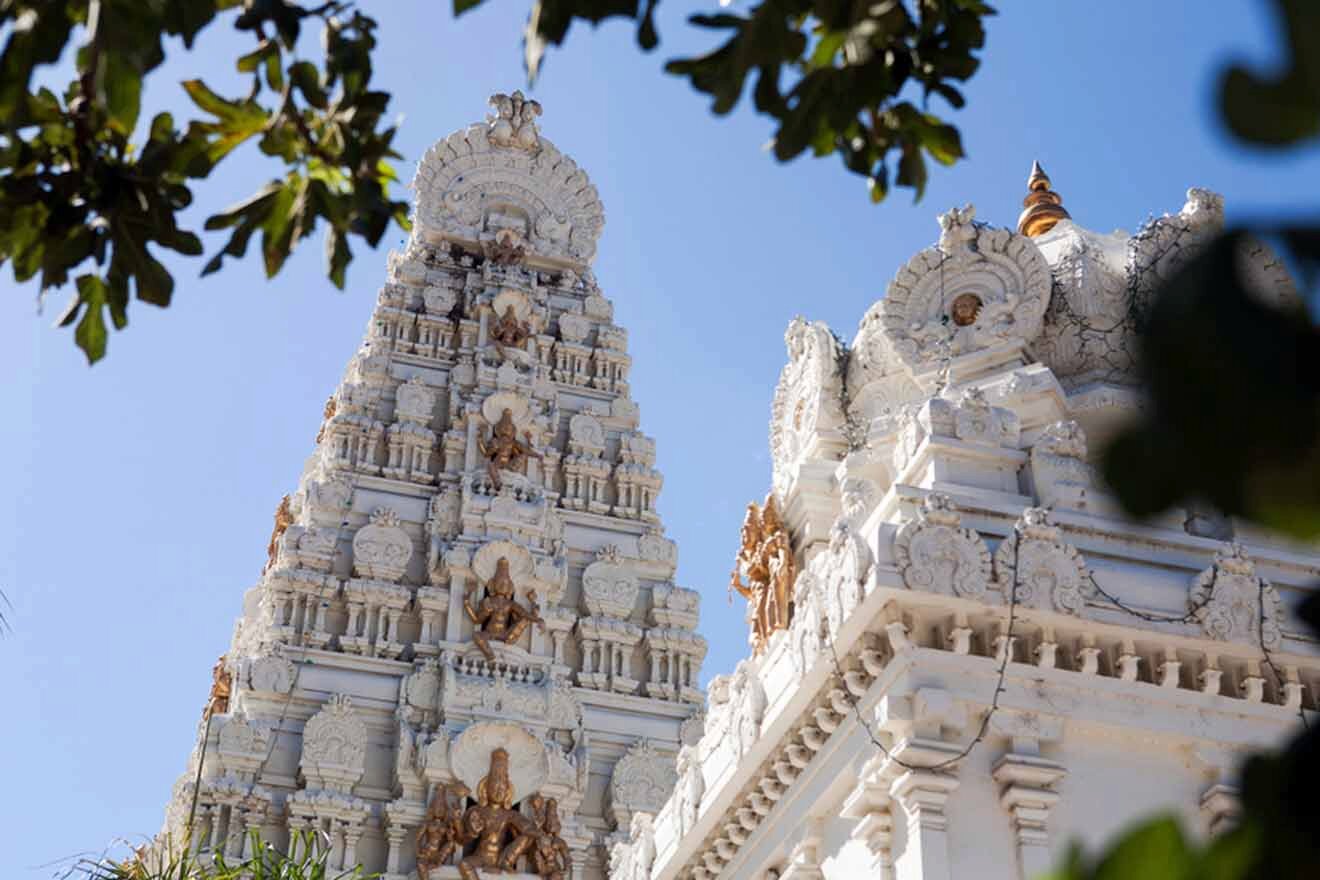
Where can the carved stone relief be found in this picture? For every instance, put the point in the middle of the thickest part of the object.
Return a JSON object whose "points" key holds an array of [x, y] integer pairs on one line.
{"points": [[936, 554]]}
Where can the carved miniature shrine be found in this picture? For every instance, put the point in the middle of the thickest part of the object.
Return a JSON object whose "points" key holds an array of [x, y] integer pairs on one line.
{"points": [[963, 656], [466, 654]]}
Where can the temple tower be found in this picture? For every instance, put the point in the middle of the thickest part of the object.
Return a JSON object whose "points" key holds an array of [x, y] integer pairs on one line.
{"points": [[466, 646], [964, 655]]}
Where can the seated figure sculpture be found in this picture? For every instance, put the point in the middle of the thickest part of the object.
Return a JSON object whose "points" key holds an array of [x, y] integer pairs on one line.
{"points": [[499, 617], [441, 833], [504, 451], [508, 331]]}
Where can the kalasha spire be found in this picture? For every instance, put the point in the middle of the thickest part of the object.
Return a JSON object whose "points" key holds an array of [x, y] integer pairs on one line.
{"points": [[1042, 208]]}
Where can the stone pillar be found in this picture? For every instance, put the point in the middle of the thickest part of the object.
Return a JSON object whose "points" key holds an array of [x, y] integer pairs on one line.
{"points": [[869, 803], [394, 835], [1028, 797]]}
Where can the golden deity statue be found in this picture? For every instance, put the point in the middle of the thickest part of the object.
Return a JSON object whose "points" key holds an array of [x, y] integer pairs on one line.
{"points": [[222, 683], [441, 833], [509, 331], [766, 560], [504, 451], [283, 519], [499, 617]]}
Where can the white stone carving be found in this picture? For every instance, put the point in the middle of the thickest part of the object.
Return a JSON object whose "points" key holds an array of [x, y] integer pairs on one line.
{"points": [[469, 756], [936, 554], [654, 547], [1048, 571], [485, 560], [334, 747], [690, 789], [1005, 274], [642, 781], [271, 673], [573, 328], [415, 401], [808, 400], [609, 586], [1234, 604], [503, 175], [1059, 469], [381, 550]]}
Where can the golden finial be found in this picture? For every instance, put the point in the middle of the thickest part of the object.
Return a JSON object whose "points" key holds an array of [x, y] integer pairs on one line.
{"points": [[1042, 208]]}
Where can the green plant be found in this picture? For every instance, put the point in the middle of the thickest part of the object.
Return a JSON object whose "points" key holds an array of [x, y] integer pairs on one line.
{"points": [[160, 861]]}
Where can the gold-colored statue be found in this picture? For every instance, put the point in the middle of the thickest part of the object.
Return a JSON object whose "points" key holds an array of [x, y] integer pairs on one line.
{"points": [[283, 519], [504, 451], [441, 833], [498, 834], [509, 331], [766, 560], [499, 617], [326, 415], [217, 702]]}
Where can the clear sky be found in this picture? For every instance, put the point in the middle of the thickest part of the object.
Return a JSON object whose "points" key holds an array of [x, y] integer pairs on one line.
{"points": [[136, 496]]}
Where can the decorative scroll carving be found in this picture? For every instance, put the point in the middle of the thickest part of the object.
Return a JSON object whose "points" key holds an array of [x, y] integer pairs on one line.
{"points": [[608, 586], [382, 549], [980, 287], [1049, 572], [766, 560], [642, 781], [808, 399], [936, 554], [334, 747], [1058, 466], [1234, 604]]}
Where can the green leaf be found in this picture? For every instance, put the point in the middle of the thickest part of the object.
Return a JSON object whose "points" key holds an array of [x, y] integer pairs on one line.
{"points": [[90, 334], [462, 6], [122, 86], [1154, 849], [308, 80]]}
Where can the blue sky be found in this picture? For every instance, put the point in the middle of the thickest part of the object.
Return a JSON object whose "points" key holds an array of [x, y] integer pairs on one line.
{"points": [[137, 495]]}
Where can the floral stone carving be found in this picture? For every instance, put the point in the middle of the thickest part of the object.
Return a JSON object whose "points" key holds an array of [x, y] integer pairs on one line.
{"points": [[936, 554], [1234, 604], [334, 747], [642, 781], [381, 550], [766, 560], [1059, 469], [1048, 572], [979, 288], [609, 588]]}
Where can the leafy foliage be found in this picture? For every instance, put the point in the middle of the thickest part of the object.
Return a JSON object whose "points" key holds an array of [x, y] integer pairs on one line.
{"points": [[1233, 382], [1233, 418], [83, 193], [308, 862], [853, 71]]}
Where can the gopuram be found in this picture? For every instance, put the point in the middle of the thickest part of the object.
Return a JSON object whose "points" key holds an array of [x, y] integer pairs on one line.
{"points": [[466, 655], [963, 656]]}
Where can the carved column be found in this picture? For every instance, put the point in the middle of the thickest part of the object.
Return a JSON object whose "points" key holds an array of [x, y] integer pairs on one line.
{"points": [[1028, 797], [1027, 781], [922, 778], [870, 804]]}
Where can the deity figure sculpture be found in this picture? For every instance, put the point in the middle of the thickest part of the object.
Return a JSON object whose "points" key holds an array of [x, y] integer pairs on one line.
{"points": [[222, 682], [504, 451], [491, 820], [499, 617], [766, 560], [509, 331], [326, 415], [283, 519], [442, 830]]}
